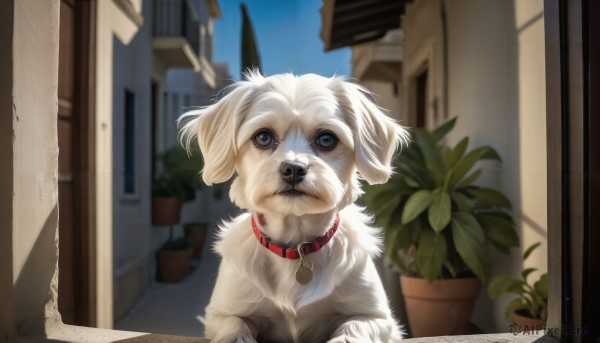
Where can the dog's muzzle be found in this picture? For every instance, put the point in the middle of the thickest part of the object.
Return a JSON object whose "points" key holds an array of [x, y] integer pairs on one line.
{"points": [[293, 172]]}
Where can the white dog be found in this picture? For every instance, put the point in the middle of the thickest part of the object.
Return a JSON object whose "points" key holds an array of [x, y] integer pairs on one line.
{"points": [[298, 266]]}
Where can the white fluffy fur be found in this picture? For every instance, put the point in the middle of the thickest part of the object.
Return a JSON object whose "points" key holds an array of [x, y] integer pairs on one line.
{"points": [[256, 296]]}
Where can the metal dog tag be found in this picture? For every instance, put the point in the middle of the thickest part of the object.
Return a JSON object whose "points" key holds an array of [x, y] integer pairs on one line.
{"points": [[303, 274]]}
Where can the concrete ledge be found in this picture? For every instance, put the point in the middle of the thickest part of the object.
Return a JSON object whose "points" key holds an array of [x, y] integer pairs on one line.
{"points": [[79, 334], [487, 338]]}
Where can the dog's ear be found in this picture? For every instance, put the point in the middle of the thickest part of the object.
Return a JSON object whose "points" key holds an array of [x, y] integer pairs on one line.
{"points": [[376, 136], [216, 127]]}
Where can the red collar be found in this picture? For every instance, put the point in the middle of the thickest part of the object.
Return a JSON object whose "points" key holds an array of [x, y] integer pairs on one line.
{"points": [[292, 252]]}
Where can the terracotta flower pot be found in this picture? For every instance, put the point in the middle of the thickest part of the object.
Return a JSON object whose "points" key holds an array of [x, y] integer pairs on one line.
{"points": [[173, 265], [165, 211], [197, 232], [526, 324], [442, 307]]}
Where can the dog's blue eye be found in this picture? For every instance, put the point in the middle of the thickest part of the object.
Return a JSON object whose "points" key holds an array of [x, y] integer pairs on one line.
{"points": [[326, 140], [263, 139]]}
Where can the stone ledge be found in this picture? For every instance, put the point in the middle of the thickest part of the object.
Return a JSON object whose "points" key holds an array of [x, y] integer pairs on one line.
{"points": [[485, 338], [79, 334]]}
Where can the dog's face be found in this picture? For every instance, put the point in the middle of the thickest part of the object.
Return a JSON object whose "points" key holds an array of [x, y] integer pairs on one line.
{"points": [[295, 144]]}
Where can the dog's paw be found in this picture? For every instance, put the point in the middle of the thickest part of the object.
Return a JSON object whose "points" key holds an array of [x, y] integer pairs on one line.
{"points": [[361, 330]]}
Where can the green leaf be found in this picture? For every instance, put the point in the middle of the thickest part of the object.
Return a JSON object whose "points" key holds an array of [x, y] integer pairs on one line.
{"points": [[515, 304], [530, 250], [469, 179], [455, 154], [431, 152], [431, 254], [412, 182], [463, 203], [490, 196], [498, 229], [465, 164], [416, 204], [469, 240], [384, 204], [541, 286], [416, 227], [443, 129], [398, 232], [451, 269], [393, 244], [503, 284], [525, 273], [440, 212]]}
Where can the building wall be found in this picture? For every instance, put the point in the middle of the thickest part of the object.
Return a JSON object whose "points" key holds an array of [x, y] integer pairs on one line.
{"points": [[496, 88], [529, 21], [388, 97], [185, 90], [423, 50], [7, 302], [29, 169], [131, 212], [136, 68], [111, 23]]}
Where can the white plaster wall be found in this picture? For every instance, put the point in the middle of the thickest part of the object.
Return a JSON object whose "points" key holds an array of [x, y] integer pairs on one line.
{"points": [[423, 49], [529, 21], [35, 163], [132, 226], [132, 69], [386, 97], [496, 89], [483, 93], [110, 22]]}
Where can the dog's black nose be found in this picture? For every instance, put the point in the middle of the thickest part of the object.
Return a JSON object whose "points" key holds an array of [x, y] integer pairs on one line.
{"points": [[293, 172]]}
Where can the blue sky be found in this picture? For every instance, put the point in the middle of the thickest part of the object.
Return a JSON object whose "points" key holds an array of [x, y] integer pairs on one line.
{"points": [[287, 32]]}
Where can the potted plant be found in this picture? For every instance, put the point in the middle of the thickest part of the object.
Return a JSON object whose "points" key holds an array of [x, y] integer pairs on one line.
{"points": [[530, 308], [439, 228], [197, 232], [174, 258], [176, 183]]}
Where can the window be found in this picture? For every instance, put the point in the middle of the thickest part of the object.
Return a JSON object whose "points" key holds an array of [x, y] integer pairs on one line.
{"points": [[129, 146], [421, 101]]}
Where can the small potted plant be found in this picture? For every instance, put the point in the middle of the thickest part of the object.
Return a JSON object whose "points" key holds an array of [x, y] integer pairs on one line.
{"points": [[176, 183], [530, 308], [174, 259], [439, 228], [197, 232]]}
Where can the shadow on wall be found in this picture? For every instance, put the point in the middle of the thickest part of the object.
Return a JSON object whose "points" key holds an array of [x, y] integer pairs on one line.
{"points": [[35, 279]]}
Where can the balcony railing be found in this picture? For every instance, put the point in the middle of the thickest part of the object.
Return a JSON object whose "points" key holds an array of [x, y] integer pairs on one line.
{"points": [[177, 18]]}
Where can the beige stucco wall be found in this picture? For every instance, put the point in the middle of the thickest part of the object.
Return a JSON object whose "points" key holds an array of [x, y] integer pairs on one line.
{"points": [[496, 82], [386, 97], [529, 21], [111, 21], [6, 172], [30, 199], [29, 210], [423, 49]]}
